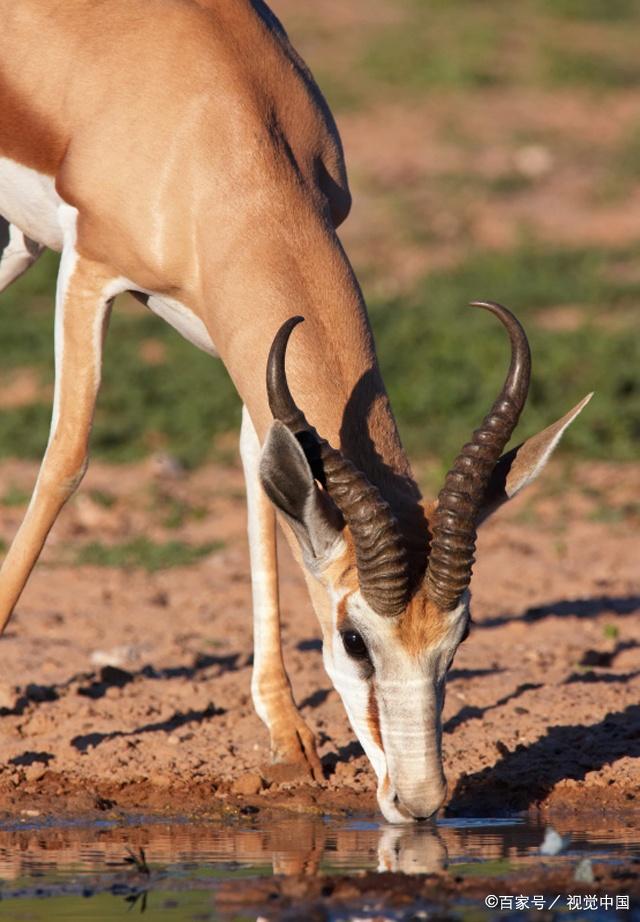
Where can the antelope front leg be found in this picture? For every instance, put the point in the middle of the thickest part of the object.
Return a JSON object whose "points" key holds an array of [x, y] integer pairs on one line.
{"points": [[291, 739], [83, 297]]}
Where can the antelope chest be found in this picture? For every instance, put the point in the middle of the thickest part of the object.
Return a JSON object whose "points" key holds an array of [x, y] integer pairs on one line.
{"points": [[29, 200]]}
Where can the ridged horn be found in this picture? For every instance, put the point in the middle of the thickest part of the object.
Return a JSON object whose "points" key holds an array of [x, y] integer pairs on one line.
{"points": [[380, 554], [453, 532]]}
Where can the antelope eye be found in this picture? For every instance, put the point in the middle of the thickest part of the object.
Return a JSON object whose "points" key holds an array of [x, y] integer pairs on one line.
{"points": [[354, 645]]}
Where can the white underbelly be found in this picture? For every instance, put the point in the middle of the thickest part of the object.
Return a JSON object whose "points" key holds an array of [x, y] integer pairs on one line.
{"points": [[183, 320], [29, 200], [177, 315]]}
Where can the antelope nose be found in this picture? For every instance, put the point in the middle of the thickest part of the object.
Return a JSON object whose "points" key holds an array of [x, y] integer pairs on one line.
{"points": [[422, 805]]}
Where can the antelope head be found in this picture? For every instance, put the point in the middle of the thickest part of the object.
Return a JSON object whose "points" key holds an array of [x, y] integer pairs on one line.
{"points": [[389, 638]]}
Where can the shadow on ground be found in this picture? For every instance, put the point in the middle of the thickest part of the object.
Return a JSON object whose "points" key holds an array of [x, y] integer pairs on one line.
{"points": [[527, 774]]}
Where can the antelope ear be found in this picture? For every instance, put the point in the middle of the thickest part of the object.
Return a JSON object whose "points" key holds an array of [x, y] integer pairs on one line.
{"points": [[288, 482], [520, 466]]}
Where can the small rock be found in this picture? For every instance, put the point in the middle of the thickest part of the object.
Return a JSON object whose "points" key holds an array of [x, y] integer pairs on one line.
{"points": [[116, 656], [30, 813], [286, 772], [164, 465], [553, 842], [533, 161], [7, 696], [35, 771], [160, 780], [584, 871], [247, 784]]}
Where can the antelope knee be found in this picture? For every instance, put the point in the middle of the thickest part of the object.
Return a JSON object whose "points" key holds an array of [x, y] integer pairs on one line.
{"points": [[64, 475]]}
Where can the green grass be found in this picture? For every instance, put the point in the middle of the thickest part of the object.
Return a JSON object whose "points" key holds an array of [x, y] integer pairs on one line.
{"points": [[429, 47], [442, 361], [165, 904], [626, 163], [141, 553], [338, 90], [589, 69], [510, 183], [436, 46], [615, 514], [493, 867], [103, 498], [593, 10], [15, 496], [179, 406], [421, 60], [172, 511]]}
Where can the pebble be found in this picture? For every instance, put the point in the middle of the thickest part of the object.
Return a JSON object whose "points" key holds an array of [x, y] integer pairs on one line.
{"points": [[247, 784], [35, 772], [7, 696], [285, 773], [533, 161], [584, 871], [553, 842], [116, 656]]}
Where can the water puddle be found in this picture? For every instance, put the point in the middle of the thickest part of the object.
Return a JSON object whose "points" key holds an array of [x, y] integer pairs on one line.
{"points": [[175, 870]]}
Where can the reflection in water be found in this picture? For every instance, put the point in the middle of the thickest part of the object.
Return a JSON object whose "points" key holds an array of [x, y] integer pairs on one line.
{"points": [[411, 851], [284, 845], [288, 845]]}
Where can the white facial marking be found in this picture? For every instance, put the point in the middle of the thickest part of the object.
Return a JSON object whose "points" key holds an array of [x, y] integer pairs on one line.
{"points": [[408, 693]]}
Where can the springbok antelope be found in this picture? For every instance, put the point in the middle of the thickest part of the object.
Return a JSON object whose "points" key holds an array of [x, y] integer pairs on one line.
{"points": [[180, 149]]}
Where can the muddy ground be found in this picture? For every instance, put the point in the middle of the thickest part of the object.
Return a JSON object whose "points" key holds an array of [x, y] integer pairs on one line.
{"points": [[127, 687]]}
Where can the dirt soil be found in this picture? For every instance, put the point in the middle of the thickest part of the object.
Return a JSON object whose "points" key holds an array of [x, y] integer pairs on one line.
{"points": [[128, 688]]}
